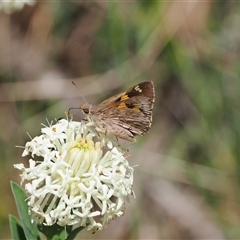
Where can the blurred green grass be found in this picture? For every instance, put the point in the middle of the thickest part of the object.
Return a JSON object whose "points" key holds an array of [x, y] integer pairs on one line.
{"points": [[190, 159]]}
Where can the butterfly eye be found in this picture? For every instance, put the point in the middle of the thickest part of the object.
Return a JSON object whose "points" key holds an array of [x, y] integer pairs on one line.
{"points": [[86, 110]]}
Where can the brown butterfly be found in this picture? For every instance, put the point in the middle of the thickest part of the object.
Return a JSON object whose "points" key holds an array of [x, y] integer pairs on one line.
{"points": [[124, 115]]}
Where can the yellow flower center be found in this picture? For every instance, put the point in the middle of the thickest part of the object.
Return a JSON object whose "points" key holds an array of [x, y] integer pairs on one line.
{"points": [[81, 154]]}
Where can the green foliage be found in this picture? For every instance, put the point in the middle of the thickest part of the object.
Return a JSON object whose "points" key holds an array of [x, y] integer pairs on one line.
{"points": [[30, 229], [16, 228]]}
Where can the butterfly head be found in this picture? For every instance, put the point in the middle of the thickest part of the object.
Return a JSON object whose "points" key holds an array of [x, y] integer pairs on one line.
{"points": [[86, 108]]}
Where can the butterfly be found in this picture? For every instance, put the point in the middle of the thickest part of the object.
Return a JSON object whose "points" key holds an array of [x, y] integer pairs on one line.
{"points": [[124, 115]]}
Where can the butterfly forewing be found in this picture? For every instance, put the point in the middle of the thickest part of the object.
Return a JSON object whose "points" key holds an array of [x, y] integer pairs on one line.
{"points": [[127, 114]]}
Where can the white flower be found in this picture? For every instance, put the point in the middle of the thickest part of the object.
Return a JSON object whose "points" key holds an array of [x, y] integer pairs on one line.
{"points": [[10, 6], [75, 179]]}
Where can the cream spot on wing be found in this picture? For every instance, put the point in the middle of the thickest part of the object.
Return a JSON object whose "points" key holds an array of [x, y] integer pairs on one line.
{"points": [[138, 89]]}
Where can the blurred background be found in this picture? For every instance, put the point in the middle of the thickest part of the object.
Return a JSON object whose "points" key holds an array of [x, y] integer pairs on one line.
{"points": [[187, 178]]}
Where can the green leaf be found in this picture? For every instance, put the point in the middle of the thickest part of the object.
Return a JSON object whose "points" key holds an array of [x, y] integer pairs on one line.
{"points": [[74, 233], [16, 228], [54, 232], [30, 229]]}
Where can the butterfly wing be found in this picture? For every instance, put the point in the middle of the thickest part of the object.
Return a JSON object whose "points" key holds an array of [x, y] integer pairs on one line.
{"points": [[127, 114]]}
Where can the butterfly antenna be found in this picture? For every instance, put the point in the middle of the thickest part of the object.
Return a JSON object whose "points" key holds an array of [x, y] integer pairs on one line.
{"points": [[79, 91], [68, 113]]}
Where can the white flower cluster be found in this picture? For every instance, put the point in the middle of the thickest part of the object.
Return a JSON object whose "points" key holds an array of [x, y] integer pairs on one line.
{"points": [[10, 6], [74, 179]]}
